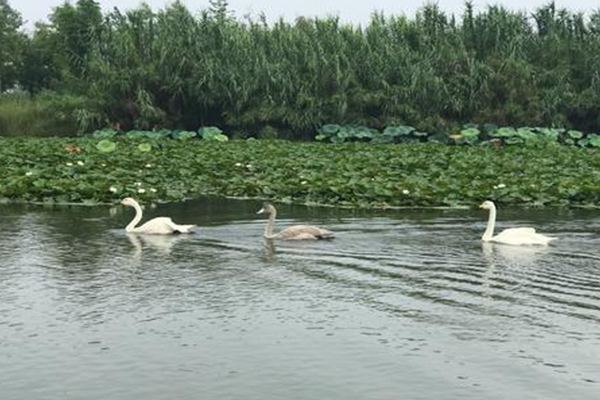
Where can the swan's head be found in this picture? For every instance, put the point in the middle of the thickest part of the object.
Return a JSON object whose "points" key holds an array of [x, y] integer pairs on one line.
{"points": [[267, 209], [487, 205], [128, 201]]}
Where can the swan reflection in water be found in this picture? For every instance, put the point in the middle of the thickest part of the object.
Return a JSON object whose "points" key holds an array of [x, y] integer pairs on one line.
{"points": [[162, 244], [508, 257], [270, 251]]}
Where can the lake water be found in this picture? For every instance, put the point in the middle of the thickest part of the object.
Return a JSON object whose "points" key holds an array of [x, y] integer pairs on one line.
{"points": [[402, 304]]}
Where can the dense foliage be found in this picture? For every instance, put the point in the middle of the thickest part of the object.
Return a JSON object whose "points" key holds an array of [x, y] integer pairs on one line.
{"points": [[471, 134], [171, 68], [351, 174], [11, 46]]}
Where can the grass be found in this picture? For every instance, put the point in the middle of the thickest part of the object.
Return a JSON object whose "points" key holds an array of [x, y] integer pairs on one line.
{"points": [[352, 174], [21, 116]]}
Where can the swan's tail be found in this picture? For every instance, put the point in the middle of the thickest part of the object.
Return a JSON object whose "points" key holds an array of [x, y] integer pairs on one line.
{"points": [[185, 228], [325, 234]]}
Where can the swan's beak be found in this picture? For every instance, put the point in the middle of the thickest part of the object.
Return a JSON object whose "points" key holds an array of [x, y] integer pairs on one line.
{"points": [[482, 205], [261, 211]]}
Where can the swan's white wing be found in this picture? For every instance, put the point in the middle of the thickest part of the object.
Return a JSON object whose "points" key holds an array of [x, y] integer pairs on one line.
{"points": [[304, 232], [521, 236], [519, 231], [163, 226]]}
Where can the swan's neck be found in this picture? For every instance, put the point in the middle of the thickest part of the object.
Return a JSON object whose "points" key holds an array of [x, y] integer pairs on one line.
{"points": [[270, 224], [489, 232], [136, 220]]}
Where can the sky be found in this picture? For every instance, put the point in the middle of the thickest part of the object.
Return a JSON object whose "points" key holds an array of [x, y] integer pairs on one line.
{"points": [[356, 12]]}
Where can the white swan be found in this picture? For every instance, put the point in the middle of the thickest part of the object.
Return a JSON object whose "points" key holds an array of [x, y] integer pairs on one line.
{"points": [[156, 226], [514, 236], [296, 232]]}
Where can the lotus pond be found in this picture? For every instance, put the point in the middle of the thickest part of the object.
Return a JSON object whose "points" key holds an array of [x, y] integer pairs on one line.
{"points": [[86, 170]]}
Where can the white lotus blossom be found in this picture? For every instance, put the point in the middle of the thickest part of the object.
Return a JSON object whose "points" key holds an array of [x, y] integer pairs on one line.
{"points": [[80, 163], [406, 191], [500, 186], [303, 183], [69, 164], [138, 184], [141, 191], [238, 164], [148, 165], [28, 173], [248, 166], [112, 189], [153, 190]]}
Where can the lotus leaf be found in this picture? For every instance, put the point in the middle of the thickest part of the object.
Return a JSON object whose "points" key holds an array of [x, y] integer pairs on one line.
{"points": [[364, 133], [330, 129], [594, 140], [504, 132], [212, 133], [106, 146], [104, 134], [514, 140], [184, 135], [575, 134], [401, 130], [549, 133], [525, 134], [135, 134], [470, 135], [145, 147]]}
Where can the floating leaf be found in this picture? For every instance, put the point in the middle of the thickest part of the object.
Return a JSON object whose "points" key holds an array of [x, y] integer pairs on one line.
{"points": [[549, 133], [184, 135], [470, 135], [104, 134], [365, 133], [594, 140], [106, 146], [135, 134], [145, 147], [330, 129], [212, 133], [402, 130], [575, 134], [525, 134], [514, 140], [504, 132]]}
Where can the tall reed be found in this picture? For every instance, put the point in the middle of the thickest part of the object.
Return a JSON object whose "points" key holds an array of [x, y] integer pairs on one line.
{"points": [[171, 68]]}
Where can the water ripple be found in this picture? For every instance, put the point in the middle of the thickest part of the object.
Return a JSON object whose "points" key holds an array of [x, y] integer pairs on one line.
{"points": [[407, 302]]}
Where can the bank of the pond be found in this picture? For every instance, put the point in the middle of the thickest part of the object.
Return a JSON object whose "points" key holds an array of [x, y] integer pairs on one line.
{"points": [[75, 170]]}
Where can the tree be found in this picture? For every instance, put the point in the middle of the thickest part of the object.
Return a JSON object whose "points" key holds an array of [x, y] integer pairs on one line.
{"points": [[220, 10], [12, 42], [39, 70], [76, 28]]}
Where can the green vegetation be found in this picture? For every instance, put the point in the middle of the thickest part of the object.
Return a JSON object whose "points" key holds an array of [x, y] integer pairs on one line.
{"points": [[351, 174], [47, 115], [471, 134], [172, 68], [154, 85]]}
